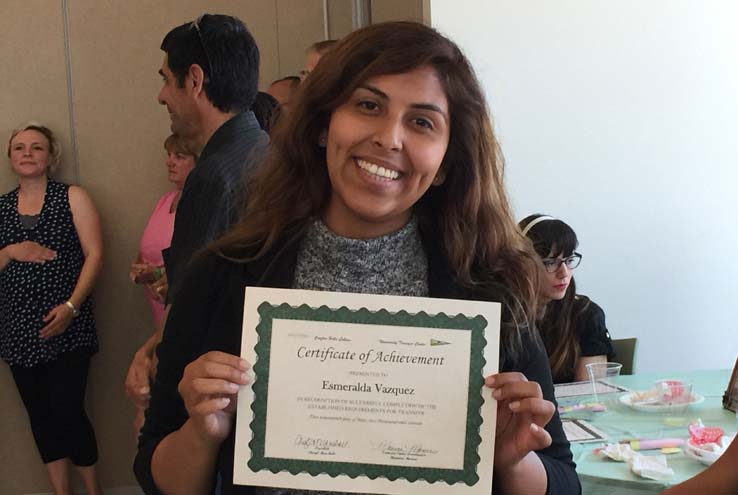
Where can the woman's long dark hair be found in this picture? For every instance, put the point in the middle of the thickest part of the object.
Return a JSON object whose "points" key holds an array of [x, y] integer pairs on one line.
{"points": [[557, 321], [469, 214]]}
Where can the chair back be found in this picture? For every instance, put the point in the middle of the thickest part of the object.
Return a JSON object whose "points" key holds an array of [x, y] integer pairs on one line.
{"points": [[625, 350]]}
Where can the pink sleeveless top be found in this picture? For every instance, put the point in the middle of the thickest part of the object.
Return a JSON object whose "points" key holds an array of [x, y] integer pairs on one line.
{"points": [[158, 236]]}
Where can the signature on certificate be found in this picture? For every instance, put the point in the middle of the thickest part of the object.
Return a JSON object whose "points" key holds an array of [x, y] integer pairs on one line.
{"points": [[414, 450], [320, 443]]}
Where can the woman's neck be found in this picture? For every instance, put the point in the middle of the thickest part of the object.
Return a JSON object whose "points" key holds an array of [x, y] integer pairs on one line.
{"points": [[175, 200], [31, 193], [543, 301], [32, 186], [542, 309], [354, 227]]}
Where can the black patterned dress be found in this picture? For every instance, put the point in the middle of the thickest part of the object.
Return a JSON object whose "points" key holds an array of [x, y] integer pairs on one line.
{"points": [[28, 291]]}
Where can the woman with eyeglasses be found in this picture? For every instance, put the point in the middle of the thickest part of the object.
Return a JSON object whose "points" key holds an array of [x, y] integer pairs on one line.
{"points": [[571, 325]]}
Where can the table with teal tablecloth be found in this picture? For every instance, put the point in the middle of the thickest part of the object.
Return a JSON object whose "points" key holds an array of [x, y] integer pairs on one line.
{"points": [[602, 476]]}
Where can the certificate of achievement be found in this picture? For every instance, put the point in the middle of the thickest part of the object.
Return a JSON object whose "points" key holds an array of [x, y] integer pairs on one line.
{"points": [[366, 393]]}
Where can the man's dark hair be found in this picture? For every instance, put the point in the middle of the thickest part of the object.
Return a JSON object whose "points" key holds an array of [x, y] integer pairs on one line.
{"points": [[265, 109], [227, 53]]}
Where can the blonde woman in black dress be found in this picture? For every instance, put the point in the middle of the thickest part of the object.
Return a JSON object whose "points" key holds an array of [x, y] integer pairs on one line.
{"points": [[50, 256]]}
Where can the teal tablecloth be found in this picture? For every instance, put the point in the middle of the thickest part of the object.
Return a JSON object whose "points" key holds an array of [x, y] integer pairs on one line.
{"points": [[602, 476]]}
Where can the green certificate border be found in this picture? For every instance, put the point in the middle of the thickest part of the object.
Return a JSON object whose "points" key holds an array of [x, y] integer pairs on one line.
{"points": [[475, 325]]}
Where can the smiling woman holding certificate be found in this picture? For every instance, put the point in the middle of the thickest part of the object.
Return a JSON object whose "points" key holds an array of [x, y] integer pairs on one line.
{"points": [[384, 178]]}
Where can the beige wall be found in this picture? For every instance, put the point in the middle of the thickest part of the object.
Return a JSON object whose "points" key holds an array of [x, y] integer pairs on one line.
{"points": [[339, 18], [392, 10], [119, 127], [300, 27], [34, 80]]}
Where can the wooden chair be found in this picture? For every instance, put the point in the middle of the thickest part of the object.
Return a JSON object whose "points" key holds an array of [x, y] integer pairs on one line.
{"points": [[625, 350]]}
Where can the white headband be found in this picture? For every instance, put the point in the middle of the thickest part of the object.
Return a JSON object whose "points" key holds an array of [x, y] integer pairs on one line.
{"points": [[535, 222]]}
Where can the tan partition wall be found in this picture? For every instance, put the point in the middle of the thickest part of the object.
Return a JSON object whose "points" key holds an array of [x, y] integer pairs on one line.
{"points": [[34, 81], [339, 19], [299, 27], [392, 10], [98, 60]]}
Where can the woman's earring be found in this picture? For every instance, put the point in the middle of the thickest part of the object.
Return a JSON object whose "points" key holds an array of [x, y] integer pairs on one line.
{"points": [[438, 179], [323, 139]]}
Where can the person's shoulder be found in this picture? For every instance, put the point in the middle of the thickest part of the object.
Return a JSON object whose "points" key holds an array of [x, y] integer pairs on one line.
{"points": [[166, 199], [204, 180], [588, 307], [234, 264], [209, 262], [529, 358], [73, 190], [7, 203], [169, 195], [78, 197], [208, 168], [8, 196], [588, 314], [207, 274], [244, 126], [59, 186], [240, 144]]}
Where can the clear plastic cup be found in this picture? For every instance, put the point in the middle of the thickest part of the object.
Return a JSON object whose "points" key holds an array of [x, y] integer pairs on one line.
{"points": [[675, 396], [602, 377]]}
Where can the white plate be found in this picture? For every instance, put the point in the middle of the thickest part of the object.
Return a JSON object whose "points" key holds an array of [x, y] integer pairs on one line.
{"points": [[627, 399], [706, 457]]}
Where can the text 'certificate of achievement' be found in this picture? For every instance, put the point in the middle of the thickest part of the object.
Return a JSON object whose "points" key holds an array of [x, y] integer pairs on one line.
{"points": [[366, 393]]}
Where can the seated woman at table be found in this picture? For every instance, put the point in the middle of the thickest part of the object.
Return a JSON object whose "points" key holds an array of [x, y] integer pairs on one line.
{"points": [[384, 177], [572, 325], [719, 478]]}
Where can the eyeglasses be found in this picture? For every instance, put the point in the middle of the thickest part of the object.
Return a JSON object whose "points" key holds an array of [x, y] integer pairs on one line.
{"points": [[553, 264], [196, 24]]}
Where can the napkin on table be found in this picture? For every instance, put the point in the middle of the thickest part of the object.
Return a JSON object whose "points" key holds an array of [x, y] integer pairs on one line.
{"points": [[653, 467]]}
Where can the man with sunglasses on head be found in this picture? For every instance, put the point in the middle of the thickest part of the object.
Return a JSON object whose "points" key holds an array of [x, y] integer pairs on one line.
{"points": [[210, 78]]}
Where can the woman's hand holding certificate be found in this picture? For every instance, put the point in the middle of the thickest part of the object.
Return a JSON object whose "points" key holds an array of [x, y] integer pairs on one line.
{"points": [[522, 412], [209, 389]]}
